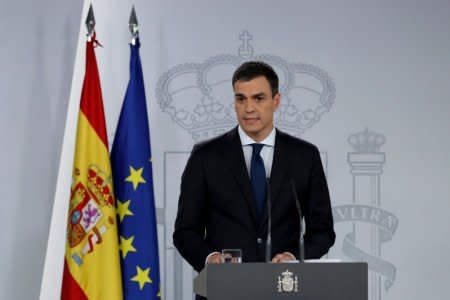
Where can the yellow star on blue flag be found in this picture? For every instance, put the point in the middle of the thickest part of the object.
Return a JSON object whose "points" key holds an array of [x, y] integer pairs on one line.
{"points": [[135, 177]]}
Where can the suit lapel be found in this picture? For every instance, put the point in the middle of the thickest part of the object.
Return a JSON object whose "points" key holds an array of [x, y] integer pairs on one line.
{"points": [[236, 162], [279, 173]]}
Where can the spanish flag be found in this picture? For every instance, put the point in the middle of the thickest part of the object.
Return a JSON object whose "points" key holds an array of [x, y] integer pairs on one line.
{"points": [[92, 265]]}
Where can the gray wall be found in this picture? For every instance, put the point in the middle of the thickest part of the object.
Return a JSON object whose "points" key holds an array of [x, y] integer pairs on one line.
{"points": [[380, 65], [37, 52]]}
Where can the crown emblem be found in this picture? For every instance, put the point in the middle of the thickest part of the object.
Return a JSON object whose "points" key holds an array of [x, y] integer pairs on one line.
{"points": [[366, 141], [199, 98], [287, 283], [99, 186]]}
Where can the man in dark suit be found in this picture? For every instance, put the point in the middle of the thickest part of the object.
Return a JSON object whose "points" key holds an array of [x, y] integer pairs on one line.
{"points": [[222, 202]]}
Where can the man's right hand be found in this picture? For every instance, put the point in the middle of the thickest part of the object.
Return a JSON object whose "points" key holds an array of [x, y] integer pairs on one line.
{"points": [[214, 258]]}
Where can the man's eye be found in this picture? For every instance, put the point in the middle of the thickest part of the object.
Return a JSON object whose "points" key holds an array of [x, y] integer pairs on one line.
{"points": [[239, 99]]}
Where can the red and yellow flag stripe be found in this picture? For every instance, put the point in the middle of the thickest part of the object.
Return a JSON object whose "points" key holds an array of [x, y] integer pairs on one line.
{"points": [[92, 266]]}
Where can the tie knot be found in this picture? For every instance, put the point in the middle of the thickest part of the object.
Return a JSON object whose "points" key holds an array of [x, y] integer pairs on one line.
{"points": [[257, 148]]}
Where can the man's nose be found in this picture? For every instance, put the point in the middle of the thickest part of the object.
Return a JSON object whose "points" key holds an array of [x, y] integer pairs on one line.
{"points": [[249, 106]]}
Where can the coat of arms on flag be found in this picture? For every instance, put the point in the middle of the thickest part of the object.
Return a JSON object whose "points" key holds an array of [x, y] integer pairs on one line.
{"points": [[85, 210]]}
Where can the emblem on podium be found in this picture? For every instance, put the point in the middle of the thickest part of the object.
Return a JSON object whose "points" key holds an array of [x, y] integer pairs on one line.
{"points": [[287, 282]]}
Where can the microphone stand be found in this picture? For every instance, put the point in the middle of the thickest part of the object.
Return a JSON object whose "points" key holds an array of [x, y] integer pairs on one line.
{"points": [[301, 242], [269, 224]]}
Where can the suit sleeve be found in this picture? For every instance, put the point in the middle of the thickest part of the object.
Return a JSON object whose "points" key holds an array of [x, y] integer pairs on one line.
{"points": [[189, 234], [319, 235]]}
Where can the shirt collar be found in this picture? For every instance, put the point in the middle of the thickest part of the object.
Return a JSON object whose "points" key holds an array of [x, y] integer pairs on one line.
{"points": [[246, 140]]}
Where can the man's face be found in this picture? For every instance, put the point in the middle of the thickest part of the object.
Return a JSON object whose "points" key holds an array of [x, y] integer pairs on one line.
{"points": [[254, 105]]}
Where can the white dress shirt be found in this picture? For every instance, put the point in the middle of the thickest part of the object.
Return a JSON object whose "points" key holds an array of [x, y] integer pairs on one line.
{"points": [[266, 151]]}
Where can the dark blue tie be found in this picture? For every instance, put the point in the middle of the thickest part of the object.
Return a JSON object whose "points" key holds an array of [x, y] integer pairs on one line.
{"points": [[258, 178]]}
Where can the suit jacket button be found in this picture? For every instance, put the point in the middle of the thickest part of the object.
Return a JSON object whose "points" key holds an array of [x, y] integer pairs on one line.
{"points": [[259, 240]]}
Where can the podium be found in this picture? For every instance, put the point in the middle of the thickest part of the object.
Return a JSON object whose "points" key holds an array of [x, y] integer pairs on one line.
{"points": [[267, 281]]}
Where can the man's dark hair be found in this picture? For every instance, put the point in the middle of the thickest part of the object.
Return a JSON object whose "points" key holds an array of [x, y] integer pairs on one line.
{"points": [[252, 69]]}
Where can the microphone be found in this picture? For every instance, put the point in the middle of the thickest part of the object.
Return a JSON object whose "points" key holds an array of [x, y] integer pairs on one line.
{"points": [[269, 223], [301, 242]]}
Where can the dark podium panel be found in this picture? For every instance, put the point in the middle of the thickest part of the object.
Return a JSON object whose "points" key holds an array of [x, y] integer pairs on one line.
{"points": [[266, 281]]}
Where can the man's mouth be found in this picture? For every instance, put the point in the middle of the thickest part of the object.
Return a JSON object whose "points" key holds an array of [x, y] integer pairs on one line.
{"points": [[250, 120]]}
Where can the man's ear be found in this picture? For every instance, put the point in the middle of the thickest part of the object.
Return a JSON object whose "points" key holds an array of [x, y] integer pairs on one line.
{"points": [[277, 99]]}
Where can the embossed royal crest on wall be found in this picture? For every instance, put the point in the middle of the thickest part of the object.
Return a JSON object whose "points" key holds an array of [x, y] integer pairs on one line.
{"points": [[198, 96], [372, 225]]}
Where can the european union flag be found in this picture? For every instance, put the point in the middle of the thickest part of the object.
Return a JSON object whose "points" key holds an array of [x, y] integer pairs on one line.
{"points": [[131, 162]]}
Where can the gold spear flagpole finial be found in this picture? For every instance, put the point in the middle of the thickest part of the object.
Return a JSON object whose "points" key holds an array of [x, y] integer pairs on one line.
{"points": [[133, 25], [90, 22]]}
